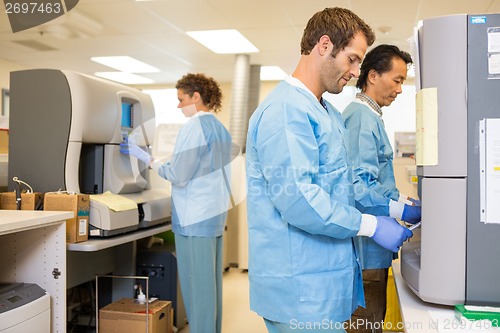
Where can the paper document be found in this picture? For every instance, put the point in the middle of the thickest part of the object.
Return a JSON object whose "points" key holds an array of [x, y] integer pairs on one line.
{"points": [[427, 127], [489, 163], [482, 308], [444, 321], [114, 202]]}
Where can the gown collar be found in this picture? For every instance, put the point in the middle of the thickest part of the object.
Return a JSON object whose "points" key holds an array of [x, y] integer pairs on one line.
{"points": [[199, 113], [370, 102], [297, 83]]}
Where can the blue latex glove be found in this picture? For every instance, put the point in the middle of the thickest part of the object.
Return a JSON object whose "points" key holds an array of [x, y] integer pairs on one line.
{"points": [[416, 202], [130, 148], [390, 234], [412, 214]]}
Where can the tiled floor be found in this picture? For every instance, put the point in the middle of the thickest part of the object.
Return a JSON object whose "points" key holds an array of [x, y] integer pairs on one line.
{"points": [[237, 316]]}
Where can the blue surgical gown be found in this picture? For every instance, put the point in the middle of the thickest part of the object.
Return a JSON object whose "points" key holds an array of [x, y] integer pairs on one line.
{"points": [[301, 215], [370, 154], [199, 171]]}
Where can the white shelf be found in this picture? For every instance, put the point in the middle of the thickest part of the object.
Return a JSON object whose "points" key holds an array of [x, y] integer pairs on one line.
{"points": [[21, 220], [32, 245], [96, 244]]}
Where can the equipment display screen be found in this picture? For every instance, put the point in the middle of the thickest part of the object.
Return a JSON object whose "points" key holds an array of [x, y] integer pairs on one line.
{"points": [[127, 115]]}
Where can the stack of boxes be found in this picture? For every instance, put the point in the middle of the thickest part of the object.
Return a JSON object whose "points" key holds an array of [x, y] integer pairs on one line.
{"points": [[77, 228]]}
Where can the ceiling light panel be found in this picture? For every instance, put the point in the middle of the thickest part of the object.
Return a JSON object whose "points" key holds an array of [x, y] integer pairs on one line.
{"points": [[125, 64], [125, 78], [224, 41]]}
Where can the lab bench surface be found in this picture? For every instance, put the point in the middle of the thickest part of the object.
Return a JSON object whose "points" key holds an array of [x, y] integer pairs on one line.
{"points": [[97, 244], [101, 256], [422, 317], [21, 220]]}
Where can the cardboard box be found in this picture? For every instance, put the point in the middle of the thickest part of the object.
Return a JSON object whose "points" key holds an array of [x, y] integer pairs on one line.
{"points": [[126, 316], [77, 228], [29, 201]]}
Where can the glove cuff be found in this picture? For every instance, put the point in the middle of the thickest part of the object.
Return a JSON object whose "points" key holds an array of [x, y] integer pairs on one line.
{"points": [[156, 164], [367, 226], [396, 209], [404, 199]]}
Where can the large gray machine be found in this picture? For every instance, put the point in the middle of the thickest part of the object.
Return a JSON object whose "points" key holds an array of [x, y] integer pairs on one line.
{"points": [[457, 260], [65, 134]]}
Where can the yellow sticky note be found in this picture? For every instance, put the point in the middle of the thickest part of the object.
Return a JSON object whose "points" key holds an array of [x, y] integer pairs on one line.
{"points": [[426, 152]]}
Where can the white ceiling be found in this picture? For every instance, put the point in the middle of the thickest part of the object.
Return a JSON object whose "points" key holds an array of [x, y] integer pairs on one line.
{"points": [[154, 31]]}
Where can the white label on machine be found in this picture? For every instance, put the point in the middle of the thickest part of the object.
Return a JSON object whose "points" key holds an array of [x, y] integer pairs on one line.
{"points": [[494, 63], [493, 39], [489, 163], [493, 52]]}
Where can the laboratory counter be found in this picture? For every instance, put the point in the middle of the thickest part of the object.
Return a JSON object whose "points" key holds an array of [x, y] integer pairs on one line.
{"points": [[96, 244], [12, 221], [422, 317]]}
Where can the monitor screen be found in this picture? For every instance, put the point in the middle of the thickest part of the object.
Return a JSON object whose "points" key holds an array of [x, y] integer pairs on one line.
{"points": [[127, 114]]}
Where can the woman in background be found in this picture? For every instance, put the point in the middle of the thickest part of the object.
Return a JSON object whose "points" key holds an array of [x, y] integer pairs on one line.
{"points": [[199, 173]]}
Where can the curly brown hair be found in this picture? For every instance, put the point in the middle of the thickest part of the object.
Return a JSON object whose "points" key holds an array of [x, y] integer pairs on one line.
{"points": [[339, 24], [206, 86]]}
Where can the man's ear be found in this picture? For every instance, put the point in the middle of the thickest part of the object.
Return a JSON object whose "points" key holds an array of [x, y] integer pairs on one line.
{"points": [[372, 76], [324, 45]]}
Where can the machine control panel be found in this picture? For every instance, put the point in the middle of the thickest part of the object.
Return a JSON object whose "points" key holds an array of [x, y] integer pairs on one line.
{"points": [[14, 295]]}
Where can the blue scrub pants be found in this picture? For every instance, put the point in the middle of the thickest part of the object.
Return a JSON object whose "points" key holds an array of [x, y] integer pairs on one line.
{"points": [[199, 264], [295, 327]]}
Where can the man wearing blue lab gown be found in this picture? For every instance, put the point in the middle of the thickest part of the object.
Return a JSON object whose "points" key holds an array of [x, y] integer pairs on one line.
{"points": [[303, 270], [382, 75]]}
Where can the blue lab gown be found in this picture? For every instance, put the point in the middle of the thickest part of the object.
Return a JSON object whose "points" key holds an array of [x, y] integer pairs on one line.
{"points": [[301, 215], [199, 172], [371, 155]]}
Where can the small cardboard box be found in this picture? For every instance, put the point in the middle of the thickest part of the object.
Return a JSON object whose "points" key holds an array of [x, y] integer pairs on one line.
{"points": [[29, 201], [77, 228], [126, 316]]}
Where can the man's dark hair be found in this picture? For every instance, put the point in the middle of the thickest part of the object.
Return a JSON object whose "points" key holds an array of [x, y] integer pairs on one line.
{"points": [[380, 60]]}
